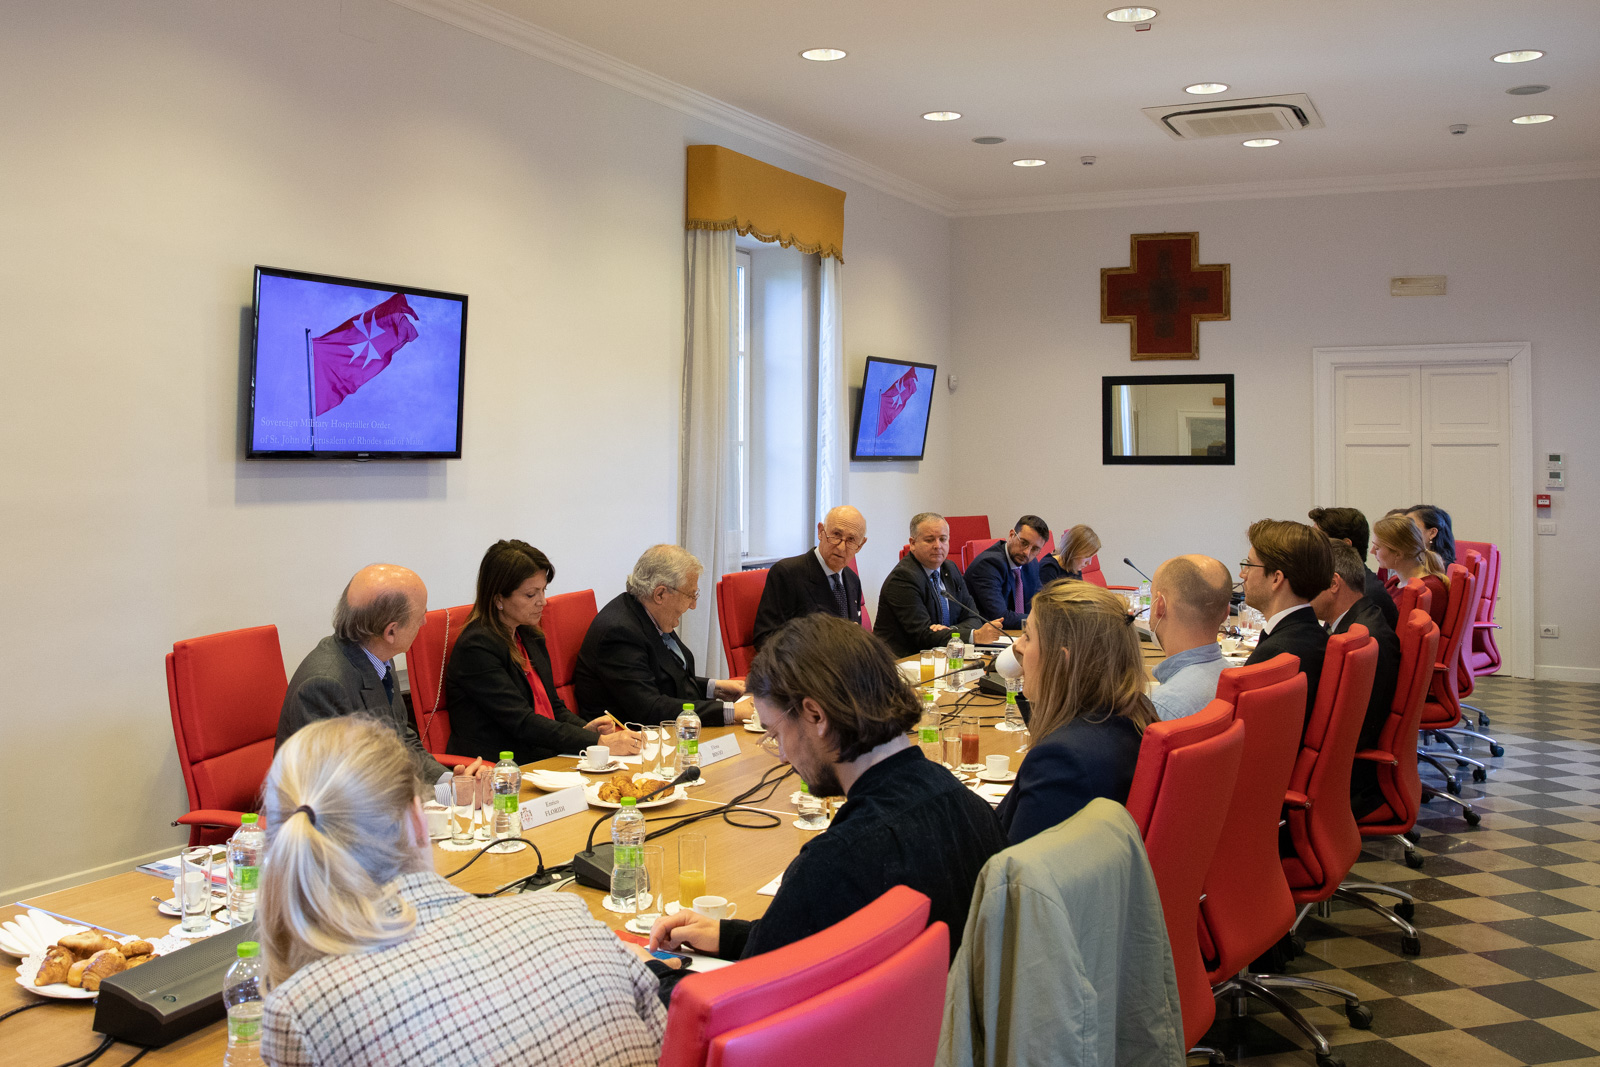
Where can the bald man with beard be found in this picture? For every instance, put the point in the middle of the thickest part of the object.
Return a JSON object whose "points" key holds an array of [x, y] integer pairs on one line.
{"points": [[352, 670], [818, 580]]}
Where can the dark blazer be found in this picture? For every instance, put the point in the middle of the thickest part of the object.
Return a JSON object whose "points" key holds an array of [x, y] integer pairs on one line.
{"points": [[1050, 569], [1301, 634], [491, 703], [908, 605], [1374, 590], [1365, 793], [337, 678], [625, 668], [800, 586], [1086, 758], [989, 580]]}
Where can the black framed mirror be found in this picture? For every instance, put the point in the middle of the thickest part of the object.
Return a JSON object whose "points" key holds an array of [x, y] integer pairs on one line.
{"points": [[1179, 419]]}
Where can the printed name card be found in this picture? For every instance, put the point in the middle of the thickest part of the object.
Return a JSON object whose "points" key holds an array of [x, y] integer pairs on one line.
{"points": [[719, 748], [548, 807]]}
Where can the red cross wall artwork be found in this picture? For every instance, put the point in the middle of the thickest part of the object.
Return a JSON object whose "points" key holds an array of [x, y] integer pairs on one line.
{"points": [[1164, 295]]}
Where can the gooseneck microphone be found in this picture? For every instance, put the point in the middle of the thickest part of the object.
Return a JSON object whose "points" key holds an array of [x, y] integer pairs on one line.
{"points": [[1137, 571]]}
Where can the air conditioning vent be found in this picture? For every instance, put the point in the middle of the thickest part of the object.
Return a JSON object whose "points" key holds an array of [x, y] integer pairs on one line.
{"points": [[1237, 118]]}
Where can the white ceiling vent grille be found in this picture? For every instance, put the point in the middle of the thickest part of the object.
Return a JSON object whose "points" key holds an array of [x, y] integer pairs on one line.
{"points": [[1237, 118]]}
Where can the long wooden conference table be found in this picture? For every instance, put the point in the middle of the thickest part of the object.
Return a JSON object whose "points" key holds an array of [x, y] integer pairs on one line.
{"points": [[739, 861]]}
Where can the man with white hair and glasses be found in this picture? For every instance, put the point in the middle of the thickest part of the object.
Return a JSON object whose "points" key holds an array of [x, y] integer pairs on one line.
{"points": [[632, 662], [818, 580]]}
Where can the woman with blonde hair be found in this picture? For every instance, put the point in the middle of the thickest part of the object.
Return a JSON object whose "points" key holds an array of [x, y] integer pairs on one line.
{"points": [[1083, 674], [373, 958], [1078, 546], [1399, 544]]}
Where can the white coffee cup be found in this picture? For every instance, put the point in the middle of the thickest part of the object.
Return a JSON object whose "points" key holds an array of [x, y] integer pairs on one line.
{"points": [[715, 907], [438, 817], [597, 756], [997, 766]]}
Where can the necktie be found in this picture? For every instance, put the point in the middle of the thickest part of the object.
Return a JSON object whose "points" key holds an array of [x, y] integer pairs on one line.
{"points": [[1016, 590], [388, 682], [938, 594], [672, 646], [838, 596]]}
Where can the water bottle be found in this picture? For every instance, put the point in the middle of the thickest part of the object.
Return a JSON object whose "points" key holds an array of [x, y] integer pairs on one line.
{"points": [[953, 653], [245, 850], [627, 854], [1144, 599], [813, 816], [241, 992], [507, 789], [928, 728], [688, 739]]}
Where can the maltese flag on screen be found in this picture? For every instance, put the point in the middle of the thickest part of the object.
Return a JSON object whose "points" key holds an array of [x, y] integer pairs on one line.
{"points": [[893, 400], [354, 352]]}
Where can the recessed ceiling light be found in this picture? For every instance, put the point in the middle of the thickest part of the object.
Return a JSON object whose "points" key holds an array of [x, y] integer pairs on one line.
{"points": [[942, 116], [988, 140], [1261, 142], [1530, 120], [1205, 88], [823, 55], [1132, 14], [1527, 90], [1521, 55], [1027, 162]]}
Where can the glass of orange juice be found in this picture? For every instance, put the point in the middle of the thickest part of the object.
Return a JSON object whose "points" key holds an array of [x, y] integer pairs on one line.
{"points": [[691, 868], [929, 665]]}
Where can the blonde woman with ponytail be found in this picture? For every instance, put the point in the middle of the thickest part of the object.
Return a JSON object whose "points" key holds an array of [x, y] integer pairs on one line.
{"points": [[1083, 674], [1399, 544], [373, 958]]}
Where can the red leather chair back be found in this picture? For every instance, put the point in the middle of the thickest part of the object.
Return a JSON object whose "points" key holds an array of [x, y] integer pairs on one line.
{"points": [[1443, 707], [970, 550], [1179, 799], [1397, 774], [738, 596], [425, 663], [1414, 595], [1479, 566], [708, 1004], [845, 1026], [565, 621], [964, 528], [1481, 654], [1323, 829], [1093, 573], [226, 691], [1248, 906]]}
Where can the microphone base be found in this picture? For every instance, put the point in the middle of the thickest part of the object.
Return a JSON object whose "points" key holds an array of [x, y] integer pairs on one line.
{"points": [[593, 868]]}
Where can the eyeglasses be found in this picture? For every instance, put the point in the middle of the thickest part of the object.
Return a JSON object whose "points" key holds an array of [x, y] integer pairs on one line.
{"points": [[1243, 563], [769, 745], [694, 597], [847, 540]]}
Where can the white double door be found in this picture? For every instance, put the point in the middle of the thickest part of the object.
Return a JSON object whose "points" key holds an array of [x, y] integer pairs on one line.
{"points": [[1429, 433]]}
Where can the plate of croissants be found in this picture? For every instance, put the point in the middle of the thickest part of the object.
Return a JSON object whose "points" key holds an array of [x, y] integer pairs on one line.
{"points": [[80, 959], [609, 793]]}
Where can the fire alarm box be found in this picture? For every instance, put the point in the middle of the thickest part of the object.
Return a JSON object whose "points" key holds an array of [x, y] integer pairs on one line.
{"points": [[1541, 500]]}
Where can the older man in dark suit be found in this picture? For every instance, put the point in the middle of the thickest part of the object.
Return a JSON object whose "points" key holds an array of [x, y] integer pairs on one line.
{"points": [[1288, 564], [818, 580], [924, 597], [1350, 526]]}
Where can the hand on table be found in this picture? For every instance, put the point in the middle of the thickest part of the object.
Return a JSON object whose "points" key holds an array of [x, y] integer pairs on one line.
{"points": [[728, 688], [938, 628], [686, 928], [622, 742], [644, 955], [988, 633], [605, 724], [478, 769], [744, 709]]}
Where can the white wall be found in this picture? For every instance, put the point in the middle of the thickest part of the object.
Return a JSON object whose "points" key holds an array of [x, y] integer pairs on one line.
{"points": [[154, 152], [1522, 262]]}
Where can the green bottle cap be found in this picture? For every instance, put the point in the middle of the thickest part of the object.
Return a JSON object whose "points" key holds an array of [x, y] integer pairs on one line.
{"points": [[249, 818], [249, 950], [630, 802], [508, 755], [806, 789], [688, 707]]}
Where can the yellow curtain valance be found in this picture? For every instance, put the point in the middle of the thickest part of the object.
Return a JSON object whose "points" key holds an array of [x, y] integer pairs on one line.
{"points": [[729, 191]]}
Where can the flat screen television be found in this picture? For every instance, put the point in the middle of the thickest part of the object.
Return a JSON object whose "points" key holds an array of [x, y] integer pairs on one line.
{"points": [[892, 421], [347, 369]]}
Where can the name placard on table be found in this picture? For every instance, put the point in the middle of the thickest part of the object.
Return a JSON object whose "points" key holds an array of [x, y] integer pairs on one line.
{"points": [[548, 807], [719, 748]]}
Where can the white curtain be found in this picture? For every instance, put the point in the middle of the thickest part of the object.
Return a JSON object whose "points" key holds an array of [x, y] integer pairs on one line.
{"points": [[833, 421], [708, 500]]}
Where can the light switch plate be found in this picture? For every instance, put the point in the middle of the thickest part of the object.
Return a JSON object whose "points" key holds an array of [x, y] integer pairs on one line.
{"points": [[1547, 528]]}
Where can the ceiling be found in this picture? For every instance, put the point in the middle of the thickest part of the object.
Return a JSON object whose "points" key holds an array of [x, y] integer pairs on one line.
{"points": [[1060, 81]]}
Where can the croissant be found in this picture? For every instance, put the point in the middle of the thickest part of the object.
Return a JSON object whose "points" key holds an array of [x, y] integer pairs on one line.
{"points": [[57, 962], [87, 942], [130, 949], [102, 965], [137, 960], [75, 975]]}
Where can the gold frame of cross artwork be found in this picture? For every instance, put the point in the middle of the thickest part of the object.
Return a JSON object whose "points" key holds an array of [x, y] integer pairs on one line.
{"points": [[1195, 318]]}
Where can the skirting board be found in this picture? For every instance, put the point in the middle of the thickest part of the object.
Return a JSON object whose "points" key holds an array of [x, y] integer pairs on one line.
{"points": [[67, 881], [1547, 673]]}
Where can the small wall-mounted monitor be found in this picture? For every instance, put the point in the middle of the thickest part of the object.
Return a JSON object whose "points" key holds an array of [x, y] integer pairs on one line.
{"points": [[347, 369], [892, 421]]}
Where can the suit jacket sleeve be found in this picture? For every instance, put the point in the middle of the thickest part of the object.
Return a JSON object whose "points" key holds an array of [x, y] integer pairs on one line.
{"points": [[966, 619], [986, 582], [901, 598], [631, 684], [483, 677], [1053, 783], [780, 602]]}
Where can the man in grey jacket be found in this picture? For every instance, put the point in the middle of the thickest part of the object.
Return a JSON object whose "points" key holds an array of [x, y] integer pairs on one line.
{"points": [[352, 671]]}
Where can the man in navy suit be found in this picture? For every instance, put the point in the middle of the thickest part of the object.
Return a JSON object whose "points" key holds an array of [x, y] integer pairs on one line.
{"points": [[1288, 564], [819, 580], [924, 598], [1003, 577]]}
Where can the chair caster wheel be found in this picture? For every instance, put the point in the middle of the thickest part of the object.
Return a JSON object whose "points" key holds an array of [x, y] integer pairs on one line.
{"points": [[1329, 1061], [1472, 817], [1479, 774], [1297, 946], [1360, 1017], [1411, 946], [1453, 786], [1483, 721], [1413, 861], [1497, 750], [1406, 910], [1217, 1059], [1413, 836]]}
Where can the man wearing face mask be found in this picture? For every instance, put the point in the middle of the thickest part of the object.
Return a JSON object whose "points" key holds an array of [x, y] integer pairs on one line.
{"points": [[1188, 603]]}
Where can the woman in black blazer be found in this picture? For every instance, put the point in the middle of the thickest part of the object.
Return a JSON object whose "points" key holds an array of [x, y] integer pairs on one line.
{"points": [[498, 685], [1078, 546], [1083, 674]]}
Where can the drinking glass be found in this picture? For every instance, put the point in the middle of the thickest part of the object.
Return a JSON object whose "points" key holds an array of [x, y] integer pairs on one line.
{"points": [[930, 665], [971, 758], [650, 749], [667, 753], [463, 798], [483, 809], [651, 898], [194, 876], [627, 883], [691, 868], [950, 738]]}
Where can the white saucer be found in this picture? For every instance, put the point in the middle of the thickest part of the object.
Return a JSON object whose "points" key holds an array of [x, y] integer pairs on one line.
{"points": [[215, 928], [169, 907], [610, 768], [985, 776], [756, 729]]}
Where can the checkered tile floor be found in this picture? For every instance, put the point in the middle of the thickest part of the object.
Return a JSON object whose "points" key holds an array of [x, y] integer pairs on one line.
{"points": [[1509, 913]]}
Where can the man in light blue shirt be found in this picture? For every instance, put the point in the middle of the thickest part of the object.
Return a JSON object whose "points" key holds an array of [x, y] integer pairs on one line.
{"points": [[1188, 604]]}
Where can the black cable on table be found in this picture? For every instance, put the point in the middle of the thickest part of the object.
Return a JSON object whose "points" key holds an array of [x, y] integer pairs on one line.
{"points": [[90, 1057], [25, 1007], [137, 1056], [492, 844]]}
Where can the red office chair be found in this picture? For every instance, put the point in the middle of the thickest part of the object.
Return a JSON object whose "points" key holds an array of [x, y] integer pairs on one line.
{"points": [[1482, 655], [565, 621], [844, 1026], [1093, 573], [1414, 595], [1484, 573], [970, 550], [964, 528], [1441, 714], [738, 596], [708, 1004], [1178, 799], [425, 664], [226, 691]]}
